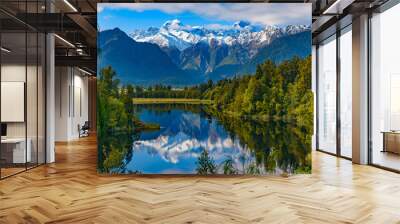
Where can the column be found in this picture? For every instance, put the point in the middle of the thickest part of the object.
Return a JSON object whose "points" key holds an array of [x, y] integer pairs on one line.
{"points": [[360, 90]]}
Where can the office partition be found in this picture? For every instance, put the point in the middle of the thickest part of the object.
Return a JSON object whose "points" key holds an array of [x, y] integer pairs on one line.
{"points": [[22, 77]]}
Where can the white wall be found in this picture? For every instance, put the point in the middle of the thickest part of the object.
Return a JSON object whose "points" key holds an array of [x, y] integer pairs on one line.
{"points": [[62, 82], [9, 73], [80, 112], [16, 73], [71, 102], [13, 100]]}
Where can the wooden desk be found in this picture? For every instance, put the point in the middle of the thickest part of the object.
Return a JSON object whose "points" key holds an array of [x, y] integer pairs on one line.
{"points": [[13, 150], [391, 141]]}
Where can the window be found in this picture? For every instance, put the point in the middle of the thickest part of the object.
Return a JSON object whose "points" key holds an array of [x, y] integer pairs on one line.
{"points": [[346, 92], [385, 89], [327, 95]]}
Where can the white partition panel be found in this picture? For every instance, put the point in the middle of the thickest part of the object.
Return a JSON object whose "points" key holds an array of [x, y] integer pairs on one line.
{"points": [[12, 101]]}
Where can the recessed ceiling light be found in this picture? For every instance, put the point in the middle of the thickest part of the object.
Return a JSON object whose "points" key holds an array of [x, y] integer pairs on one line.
{"points": [[86, 72], [337, 7], [5, 50], [70, 5], [64, 40]]}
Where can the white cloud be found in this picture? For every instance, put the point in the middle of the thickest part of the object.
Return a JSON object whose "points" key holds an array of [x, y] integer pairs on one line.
{"points": [[107, 17], [216, 26], [258, 13]]}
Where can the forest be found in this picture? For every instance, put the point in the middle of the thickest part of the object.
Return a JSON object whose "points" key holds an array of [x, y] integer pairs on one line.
{"points": [[279, 92]]}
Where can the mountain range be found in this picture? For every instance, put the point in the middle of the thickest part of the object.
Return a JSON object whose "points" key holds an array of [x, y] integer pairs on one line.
{"points": [[178, 54]]}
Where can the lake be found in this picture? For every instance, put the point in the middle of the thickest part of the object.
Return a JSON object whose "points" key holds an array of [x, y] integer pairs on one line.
{"points": [[194, 140]]}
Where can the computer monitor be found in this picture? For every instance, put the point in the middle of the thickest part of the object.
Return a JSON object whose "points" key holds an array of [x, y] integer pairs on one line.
{"points": [[3, 129]]}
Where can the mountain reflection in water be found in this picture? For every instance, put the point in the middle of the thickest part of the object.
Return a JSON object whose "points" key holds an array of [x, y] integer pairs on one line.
{"points": [[248, 147]]}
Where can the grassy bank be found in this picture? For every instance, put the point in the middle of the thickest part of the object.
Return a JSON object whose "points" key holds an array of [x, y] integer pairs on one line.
{"points": [[255, 117], [150, 127], [169, 100], [146, 126]]}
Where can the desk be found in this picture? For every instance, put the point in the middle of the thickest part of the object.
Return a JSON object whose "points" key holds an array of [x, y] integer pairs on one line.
{"points": [[391, 141], [15, 148]]}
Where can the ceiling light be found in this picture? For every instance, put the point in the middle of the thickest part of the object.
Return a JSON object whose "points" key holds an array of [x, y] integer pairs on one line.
{"points": [[337, 7], [5, 50], [64, 40], [331, 7], [79, 51], [70, 5], [86, 72]]}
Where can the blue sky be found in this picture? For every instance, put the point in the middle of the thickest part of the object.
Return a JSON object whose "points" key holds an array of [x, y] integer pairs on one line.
{"points": [[131, 16], [128, 20]]}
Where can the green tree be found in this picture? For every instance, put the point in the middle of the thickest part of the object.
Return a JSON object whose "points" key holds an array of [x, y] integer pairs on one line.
{"points": [[205, 164], [228, 167], [114, 119]]}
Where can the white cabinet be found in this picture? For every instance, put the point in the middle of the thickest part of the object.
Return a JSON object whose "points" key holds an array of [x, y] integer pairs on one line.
{"points": [[19, 155]]}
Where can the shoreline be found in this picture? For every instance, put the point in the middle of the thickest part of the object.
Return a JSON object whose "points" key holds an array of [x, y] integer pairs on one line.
{"points": [[169, 101], [213, 110]]}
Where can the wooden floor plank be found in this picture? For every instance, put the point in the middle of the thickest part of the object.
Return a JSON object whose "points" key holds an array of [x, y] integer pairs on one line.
{"points": [[71, 191]]}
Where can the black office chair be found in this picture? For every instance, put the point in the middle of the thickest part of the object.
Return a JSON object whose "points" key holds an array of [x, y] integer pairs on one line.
{"points": [[84, 130]]}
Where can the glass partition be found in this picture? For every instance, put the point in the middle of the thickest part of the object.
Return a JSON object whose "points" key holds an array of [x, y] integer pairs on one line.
{"points": [[385, 89], [13, 94], [31, 98], [327, 95], [22, 77]]}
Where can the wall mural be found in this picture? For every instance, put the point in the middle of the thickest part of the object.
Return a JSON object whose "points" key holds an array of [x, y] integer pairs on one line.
{"points": [[204, 88]]}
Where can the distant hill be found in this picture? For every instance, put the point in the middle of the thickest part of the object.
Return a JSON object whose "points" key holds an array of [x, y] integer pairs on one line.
{"points": [[136, 62], [281, 49]]}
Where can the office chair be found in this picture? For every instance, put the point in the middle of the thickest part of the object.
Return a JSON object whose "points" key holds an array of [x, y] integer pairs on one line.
{"points": [[84, 130]]}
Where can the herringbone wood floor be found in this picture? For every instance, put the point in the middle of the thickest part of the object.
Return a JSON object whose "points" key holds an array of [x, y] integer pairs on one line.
{"points": [[70, 191]]}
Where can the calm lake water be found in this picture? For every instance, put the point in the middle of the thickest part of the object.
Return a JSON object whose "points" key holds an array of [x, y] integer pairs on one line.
{"points": [[234, 146]]}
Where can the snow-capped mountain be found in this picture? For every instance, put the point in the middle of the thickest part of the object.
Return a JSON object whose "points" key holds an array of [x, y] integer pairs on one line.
{"points": [[179, 54], [175, 34], [171, 34]]}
